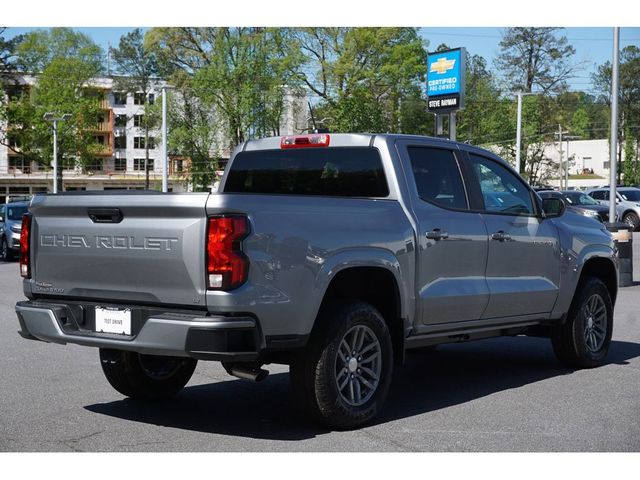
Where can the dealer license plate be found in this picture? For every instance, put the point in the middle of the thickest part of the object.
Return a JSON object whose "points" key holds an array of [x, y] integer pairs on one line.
{"points": [[113, 321]]}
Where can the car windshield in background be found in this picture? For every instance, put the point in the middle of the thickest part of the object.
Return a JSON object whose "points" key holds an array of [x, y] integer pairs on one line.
{"points": [[578, 198], [341, 172], [630, 195], [15, 213]]}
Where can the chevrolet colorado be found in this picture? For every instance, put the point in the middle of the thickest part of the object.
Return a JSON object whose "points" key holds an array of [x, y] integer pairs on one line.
{"points": [[332, 253]]}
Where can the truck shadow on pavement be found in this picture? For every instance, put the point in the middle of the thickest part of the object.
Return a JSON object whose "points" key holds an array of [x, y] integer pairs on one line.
{"points": [[448, 376]]}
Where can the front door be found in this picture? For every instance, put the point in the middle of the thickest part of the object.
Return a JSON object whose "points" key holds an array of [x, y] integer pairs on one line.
{"points": [[523, 265]]}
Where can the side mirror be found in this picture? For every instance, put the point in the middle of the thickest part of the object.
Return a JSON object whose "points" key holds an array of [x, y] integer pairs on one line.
{"points": [[553, 207]]}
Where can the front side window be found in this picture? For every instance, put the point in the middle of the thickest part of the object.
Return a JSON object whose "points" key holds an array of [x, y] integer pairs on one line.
{"points": [[502, 191], [437, 177]]}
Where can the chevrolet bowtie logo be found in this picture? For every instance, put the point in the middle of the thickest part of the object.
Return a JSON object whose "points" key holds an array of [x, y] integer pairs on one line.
{"points": [[442, 65]]}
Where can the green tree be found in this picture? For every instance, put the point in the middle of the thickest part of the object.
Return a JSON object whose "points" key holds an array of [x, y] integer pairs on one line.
{"points": [[628, 98], [535, 56], [61, 88], [362, 77], [193, 132], [244, 73], [139, 69], [39, 48], [7, 54]]}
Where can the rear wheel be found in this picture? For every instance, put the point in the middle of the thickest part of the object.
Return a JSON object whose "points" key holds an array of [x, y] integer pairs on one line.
{"points": [[583, 340], [147, 377], [631, 219], [342, 378]]}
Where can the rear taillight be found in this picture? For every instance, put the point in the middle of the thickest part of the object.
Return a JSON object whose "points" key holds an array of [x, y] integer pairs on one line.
{"points": [[25, 238], [305, 141], [227, 266]]}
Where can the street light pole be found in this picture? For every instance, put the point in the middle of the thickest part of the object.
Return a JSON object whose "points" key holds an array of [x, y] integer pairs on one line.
{"points": [[165, 161], [51, 118], [519, 127], [614, 123]]}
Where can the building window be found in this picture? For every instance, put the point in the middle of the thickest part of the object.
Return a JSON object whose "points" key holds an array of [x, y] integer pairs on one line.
{"points": [[120, 141], [18, 163], [96, 166], [138, 164], [120, 121], [152, 143], [138, 98], [152, 98], [138, 142], [120, 98], [100, 139], [120, 164], [137, 121]]}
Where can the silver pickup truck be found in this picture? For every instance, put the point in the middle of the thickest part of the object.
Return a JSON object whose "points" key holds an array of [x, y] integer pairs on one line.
{"points": [[331, 253]]}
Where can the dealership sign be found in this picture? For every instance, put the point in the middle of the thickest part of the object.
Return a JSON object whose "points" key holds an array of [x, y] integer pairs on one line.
{"points": [[445, 80]]}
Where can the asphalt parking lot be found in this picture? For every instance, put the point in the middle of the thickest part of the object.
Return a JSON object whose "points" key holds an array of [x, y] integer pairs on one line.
{"points": [[505, 394]]}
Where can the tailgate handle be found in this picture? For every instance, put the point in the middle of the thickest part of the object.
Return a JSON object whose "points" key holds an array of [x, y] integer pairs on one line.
{"points": [[105, 215]]}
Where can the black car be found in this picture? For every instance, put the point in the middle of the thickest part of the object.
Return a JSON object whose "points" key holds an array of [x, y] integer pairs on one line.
{"points": [[581, 203]]}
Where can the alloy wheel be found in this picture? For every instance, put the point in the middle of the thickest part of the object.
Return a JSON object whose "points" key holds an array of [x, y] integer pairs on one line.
{"points": [[358, 365]]}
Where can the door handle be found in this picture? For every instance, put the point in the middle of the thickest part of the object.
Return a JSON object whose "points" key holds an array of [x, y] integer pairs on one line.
{"points": [[437, 234], [500, 236]]}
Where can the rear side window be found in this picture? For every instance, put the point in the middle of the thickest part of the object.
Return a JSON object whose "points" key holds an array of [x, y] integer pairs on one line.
{"points": [[437, 177], [340, 172]]}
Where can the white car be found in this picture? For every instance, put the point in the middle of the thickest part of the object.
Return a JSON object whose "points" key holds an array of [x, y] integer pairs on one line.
{"points": [[627, 203]]}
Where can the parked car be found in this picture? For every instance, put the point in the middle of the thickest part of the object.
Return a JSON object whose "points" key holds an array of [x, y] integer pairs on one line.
{"points": [[581, 203], [627, 203], [10, 227], [334, 254]]}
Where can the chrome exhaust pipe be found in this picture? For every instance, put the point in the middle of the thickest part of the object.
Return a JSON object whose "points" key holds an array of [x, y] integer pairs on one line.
{"points": [[246, 371]]}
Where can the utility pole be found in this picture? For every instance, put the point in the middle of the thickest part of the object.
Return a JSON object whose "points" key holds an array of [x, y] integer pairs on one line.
{"points": [[614, 124], [165, 160], [51, 118], [563, 173]]}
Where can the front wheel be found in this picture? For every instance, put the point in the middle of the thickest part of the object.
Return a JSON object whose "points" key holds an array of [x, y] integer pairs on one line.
{"points": [[583, 340], [342, 378], [146, 377], [631, 219], [5, 255]]}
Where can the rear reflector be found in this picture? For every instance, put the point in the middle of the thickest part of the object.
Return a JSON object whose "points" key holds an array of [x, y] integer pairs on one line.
{"points": [[227, 266], [25, 238], [305, 141]]}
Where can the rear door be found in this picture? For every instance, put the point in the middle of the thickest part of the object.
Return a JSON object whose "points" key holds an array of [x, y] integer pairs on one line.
{"points": [[136, 248], [452, 240], [523, 265]]}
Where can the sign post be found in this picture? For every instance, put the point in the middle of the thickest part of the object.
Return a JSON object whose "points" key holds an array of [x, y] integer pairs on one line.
{"points": [[445, 86]]}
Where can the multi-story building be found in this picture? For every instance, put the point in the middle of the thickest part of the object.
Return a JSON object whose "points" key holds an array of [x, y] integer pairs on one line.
{"points": [[120, 164]]}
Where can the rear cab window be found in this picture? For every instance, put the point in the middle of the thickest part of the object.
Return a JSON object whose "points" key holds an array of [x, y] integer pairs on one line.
{"points": [[332, 171]]}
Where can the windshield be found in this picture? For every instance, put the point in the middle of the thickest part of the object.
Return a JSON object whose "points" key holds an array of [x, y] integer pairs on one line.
{"points": [[630, 195], [15, 213], [578, 198]]}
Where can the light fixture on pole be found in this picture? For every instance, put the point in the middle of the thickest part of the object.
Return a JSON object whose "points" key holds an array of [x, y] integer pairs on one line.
{"points": [[519, 126], [53, 119]]}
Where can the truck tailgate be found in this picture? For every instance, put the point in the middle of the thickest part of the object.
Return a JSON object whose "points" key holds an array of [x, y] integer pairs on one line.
{"points": [[134, 247]]}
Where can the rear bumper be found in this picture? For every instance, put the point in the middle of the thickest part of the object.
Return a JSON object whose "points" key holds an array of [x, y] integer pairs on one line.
{"points": [[233, 339]]}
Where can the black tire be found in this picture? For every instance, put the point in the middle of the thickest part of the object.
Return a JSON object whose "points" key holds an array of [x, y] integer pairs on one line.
{"points": [[631, 218], [146, 377], [581, 342], [5, 253], [317, 369]]}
